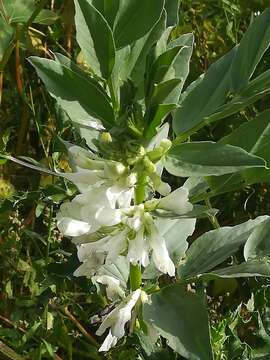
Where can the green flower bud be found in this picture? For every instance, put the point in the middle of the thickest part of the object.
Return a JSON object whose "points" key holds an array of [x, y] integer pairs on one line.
{"points": [[114, 169], [148, 165], [156, 154], [106, 137]]}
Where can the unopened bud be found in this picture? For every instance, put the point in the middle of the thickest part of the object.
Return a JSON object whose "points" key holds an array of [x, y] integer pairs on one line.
{"points": [[148, 165], [106, 137], [156, 154], [114, 169]]}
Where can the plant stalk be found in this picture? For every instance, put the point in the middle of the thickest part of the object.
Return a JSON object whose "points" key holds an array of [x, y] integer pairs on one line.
{"points": [[135, 275]]}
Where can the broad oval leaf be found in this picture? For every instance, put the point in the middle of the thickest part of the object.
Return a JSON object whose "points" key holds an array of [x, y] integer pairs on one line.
{"points": [[255, 90], [208, 158], [181, 64], [172, 9], [203, 100], [246, 269], [176, 313], [79, 96], [108, 8], [215, 246], [95, 38], [253, 45], [135, 19], [258, 243], [254, 137]]}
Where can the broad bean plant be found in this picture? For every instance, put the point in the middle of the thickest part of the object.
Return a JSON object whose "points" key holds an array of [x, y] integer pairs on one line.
{"points": [[131, 105]]}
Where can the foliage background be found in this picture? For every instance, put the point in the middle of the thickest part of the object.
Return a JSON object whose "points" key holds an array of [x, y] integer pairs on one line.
{"points": [[44, 311]]}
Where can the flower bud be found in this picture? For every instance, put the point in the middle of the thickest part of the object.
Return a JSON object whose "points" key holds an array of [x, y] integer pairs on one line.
{"points": [[114, 169], [106, 137], [149, 166], [156, 154]]}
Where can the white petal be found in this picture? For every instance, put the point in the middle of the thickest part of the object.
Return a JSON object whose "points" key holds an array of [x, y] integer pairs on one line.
{"points": [[113, 288], [109, 342], [84, 179], [109, 320], [163, 188], [117, 319], [138, 249], [71, 227], [116, 245], [160, 254], [124, 200], [90, 266], [124, 314], [177, 201], [108, 217]]}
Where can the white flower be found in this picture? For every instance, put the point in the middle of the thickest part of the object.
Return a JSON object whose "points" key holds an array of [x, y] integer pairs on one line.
{"points": [[93, 171], [177, 202], [106, 250], [116, 321], [113, 288], [86, 213], [160, 255], [138, 249]]}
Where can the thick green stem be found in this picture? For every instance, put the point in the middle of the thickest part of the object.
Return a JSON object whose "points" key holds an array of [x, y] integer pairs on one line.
{"points": [[135, 275], [140, 189]]}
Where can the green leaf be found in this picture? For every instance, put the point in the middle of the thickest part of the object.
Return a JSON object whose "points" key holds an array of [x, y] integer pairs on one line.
{"points": [[172, 9], [79, 96], [17, 11], [255, 90], [203, 99], [250, 51], [215, 246], [254, 137], [208, 158], [176, 313], [258, 243], [46, 17], [181, 64], [246, 269], [108, 8], [131, 61], [6, 36], [160, 69], [135, 19], [136, 61], [157, 114], [162, 90], [95, 38]]}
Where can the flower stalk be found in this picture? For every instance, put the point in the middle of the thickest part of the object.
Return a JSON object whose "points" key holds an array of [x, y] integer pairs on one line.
{"points": [[135, 274]]}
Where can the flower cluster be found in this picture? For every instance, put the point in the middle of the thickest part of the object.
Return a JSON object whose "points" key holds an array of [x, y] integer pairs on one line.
{"points": [[105, 224]]}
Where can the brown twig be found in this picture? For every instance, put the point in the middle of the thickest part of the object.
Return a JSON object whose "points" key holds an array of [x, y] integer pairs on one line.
{"points": [[90, 337], [18, 68]]}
